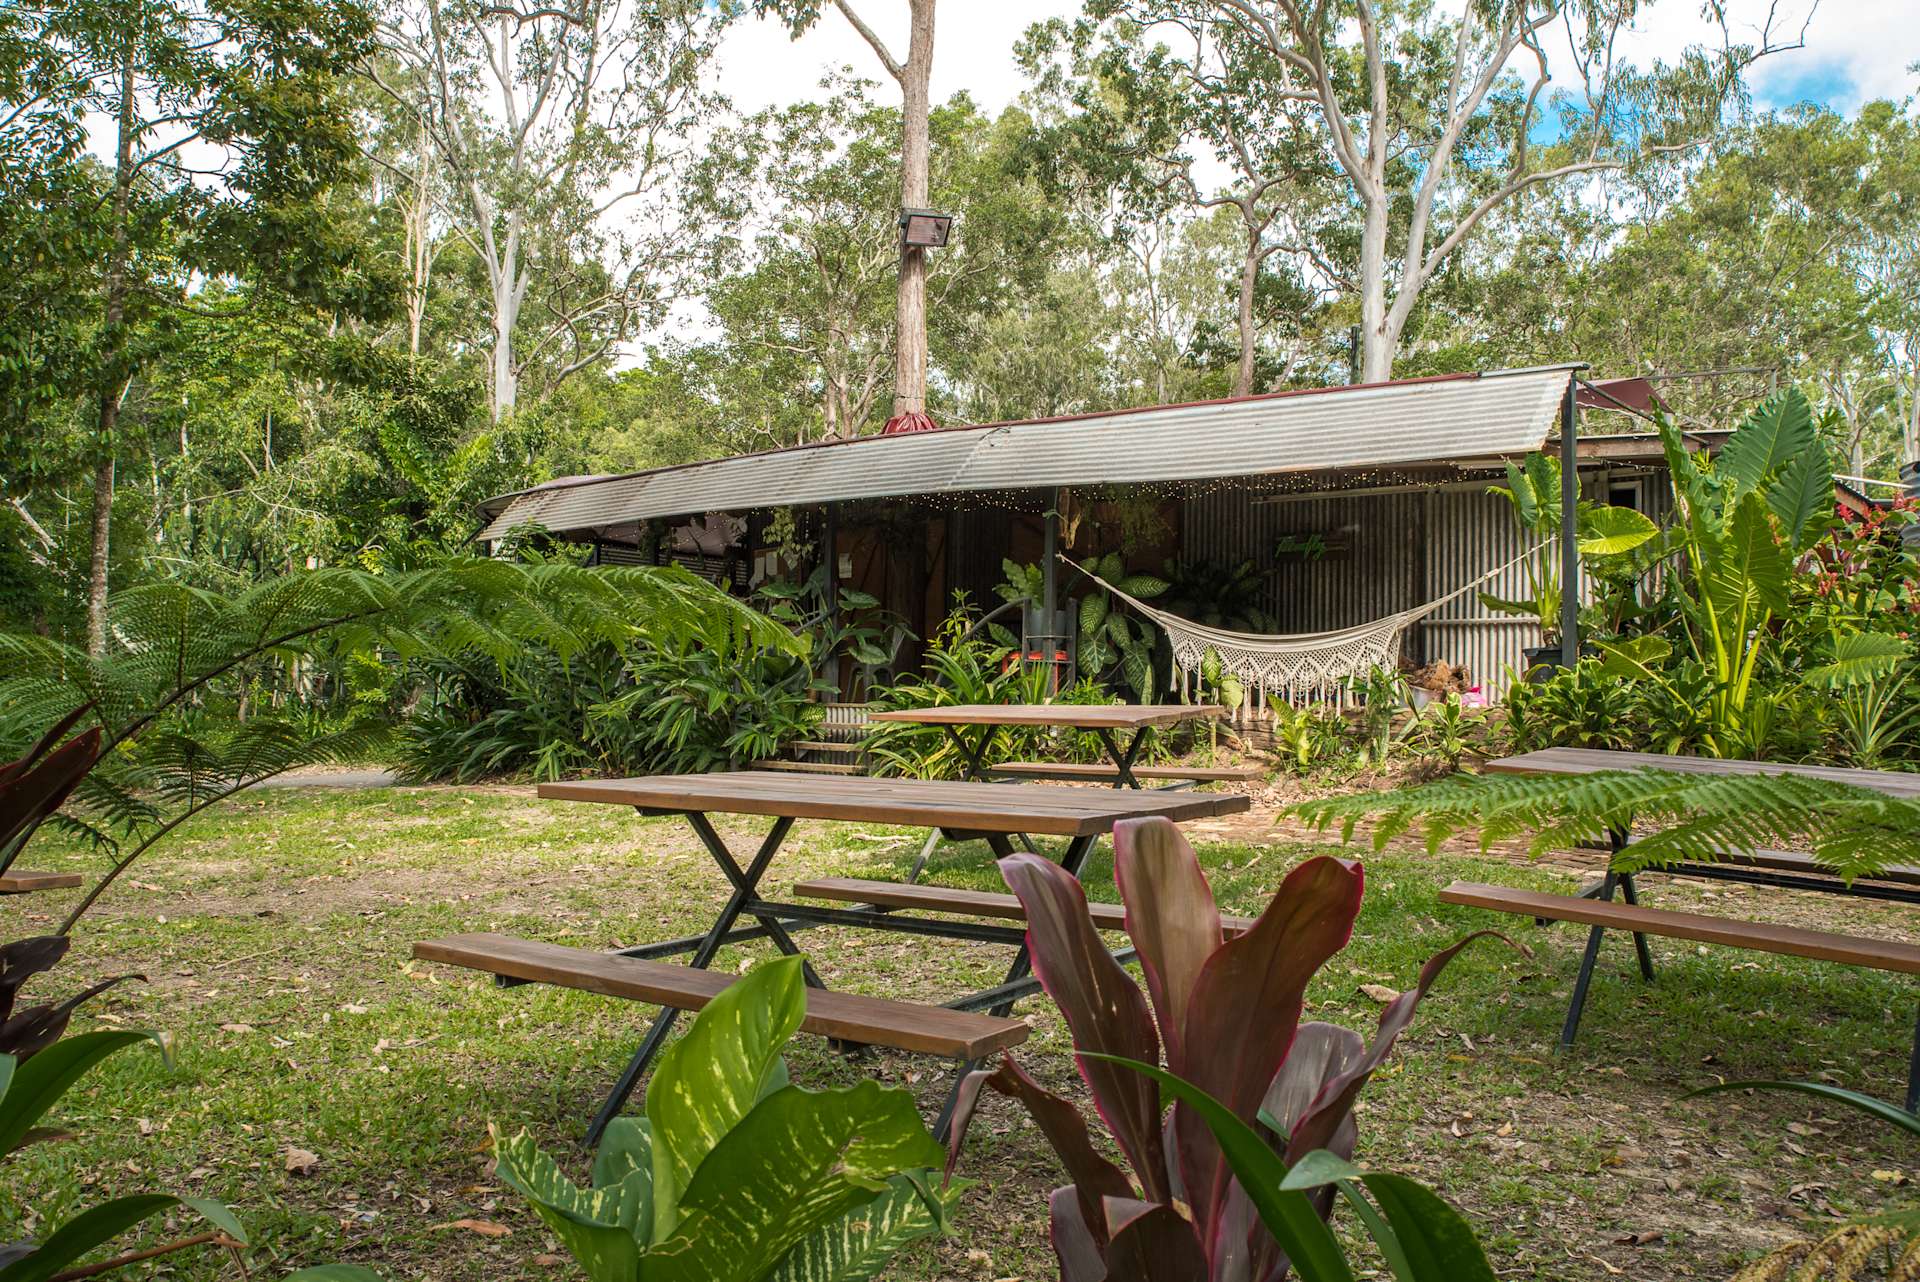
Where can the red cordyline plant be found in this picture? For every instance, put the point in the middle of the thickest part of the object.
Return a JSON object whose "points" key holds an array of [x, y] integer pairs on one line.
{"points": [[1227, 1012]]}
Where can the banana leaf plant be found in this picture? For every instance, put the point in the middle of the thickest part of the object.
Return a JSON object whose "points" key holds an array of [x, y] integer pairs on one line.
{"points": [[1227, 1012], [735, 1175], [1601, 531], [1742, 523]]}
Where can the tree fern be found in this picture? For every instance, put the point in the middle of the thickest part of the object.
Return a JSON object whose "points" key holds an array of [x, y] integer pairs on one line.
{"points": [[1852, 832], [160, 696]]}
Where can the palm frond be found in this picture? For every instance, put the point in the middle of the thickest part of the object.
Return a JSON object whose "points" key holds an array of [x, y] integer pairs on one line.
{"points": [[1852, 832]]}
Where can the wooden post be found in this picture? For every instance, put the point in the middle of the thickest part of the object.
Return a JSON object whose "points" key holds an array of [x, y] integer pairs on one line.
{"points": [[830, 547], [1569, 526], [1050, 590]]}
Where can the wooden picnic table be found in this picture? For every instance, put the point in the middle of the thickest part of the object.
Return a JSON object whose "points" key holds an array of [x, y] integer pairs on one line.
{"points": [[1104, 720], [1775, 868], [1586, 761], [995, 812], [1782, 869]]}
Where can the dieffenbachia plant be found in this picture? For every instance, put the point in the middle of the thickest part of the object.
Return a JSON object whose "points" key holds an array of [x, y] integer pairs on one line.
{"points": [[734, 1174], [1227, 1012]]}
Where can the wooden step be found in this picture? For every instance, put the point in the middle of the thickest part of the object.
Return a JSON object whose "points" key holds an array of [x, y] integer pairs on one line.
{"points": [[972, 903], [810, 767], [874, 1021], [1766, 937], [25, 883], [1106, 774]]}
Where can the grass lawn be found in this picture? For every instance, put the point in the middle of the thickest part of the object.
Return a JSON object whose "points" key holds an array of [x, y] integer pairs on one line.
{"points": [[275, 937]]}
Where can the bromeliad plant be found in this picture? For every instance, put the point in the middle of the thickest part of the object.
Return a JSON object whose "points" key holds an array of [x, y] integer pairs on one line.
{"points": [[735, 1175], [1227, 1012]]}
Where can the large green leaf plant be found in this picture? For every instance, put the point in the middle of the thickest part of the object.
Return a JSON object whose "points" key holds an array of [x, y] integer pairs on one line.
{"points": [[735, 1174], [1603, 535], [1742, 524]]}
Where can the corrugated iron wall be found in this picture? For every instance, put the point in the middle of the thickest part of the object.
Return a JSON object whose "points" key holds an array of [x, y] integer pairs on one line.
{"points": [[1401, 550], [1471, 532], [1390, 552], [1372, 567]]}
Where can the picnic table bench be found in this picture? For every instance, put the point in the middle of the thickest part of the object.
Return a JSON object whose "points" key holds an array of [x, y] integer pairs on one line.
{"points": [[964, 1029], [1594, 907], [26, 883], [1104, 720]]}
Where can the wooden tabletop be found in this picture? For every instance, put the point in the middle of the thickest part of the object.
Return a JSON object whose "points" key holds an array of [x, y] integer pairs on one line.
{"points": [[1087, 716], [1042, 809], [1586, 761]]}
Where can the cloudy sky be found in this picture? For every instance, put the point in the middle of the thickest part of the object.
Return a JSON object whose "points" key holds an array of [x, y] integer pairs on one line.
{"points": [[1856, 50]]}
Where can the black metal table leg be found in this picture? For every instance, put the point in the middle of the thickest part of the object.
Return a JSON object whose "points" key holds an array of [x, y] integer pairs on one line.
{"points": [[971, 754], [1632, 896], [746, 882], [1587, 960], [1123, 761], [1913, 1071], [745, 888], [1073, 858]]}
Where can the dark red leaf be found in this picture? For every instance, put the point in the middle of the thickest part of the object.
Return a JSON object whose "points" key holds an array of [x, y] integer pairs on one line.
{"points": [[1094, 1177], [1151, 1242], [1073, 1243], [1171, 916], [22, 959], [1246, 1008], [1322, 1121], [1103, 1007]]}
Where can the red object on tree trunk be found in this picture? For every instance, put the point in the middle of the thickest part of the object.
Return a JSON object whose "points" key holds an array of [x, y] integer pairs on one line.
{"points": [[911, 421]]}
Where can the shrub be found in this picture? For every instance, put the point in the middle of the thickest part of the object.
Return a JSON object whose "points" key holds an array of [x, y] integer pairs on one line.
{"points": [[735, 1175], [1228, 1015]]}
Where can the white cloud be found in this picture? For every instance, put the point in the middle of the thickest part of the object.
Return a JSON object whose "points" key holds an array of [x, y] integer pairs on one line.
{"points": [[1856, 49], [760, 66]]}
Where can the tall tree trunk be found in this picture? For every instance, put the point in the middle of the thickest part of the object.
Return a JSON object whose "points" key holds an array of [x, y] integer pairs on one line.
{"points": [[419, 246], [910, 338], [1249, 277], [1911, 437], [1377, 343], [113, 379], [506, 383]]}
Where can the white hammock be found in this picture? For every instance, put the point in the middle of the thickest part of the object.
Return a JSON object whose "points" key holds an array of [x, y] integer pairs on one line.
{"points": [[1301, 665]]}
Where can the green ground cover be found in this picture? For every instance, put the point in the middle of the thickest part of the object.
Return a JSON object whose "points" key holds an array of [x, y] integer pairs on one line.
{"points": [[337, 1094]]}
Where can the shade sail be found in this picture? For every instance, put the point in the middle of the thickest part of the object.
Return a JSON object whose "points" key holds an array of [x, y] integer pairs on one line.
{"points": [[1408, 423]]}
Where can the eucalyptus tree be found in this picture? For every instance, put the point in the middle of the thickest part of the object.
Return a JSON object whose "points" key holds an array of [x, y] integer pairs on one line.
{"points": [[566, 130], [1430, 129], [914, 74], [807, 191], [803, 285], [1139, 90], [225, 126]]}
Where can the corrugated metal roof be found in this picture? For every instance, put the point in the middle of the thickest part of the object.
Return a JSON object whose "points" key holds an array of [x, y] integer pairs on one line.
{"points": [[1410, 422]]}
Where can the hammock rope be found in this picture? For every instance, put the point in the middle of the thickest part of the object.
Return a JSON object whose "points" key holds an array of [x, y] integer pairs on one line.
{"points": [[1296, 665]]}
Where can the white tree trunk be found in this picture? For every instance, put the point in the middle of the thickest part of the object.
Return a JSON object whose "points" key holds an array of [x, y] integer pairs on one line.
{"points": [[1377, 341], [1249, 278]]}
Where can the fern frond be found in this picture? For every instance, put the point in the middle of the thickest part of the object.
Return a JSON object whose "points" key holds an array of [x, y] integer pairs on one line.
{"points": [[1852, 832]]}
